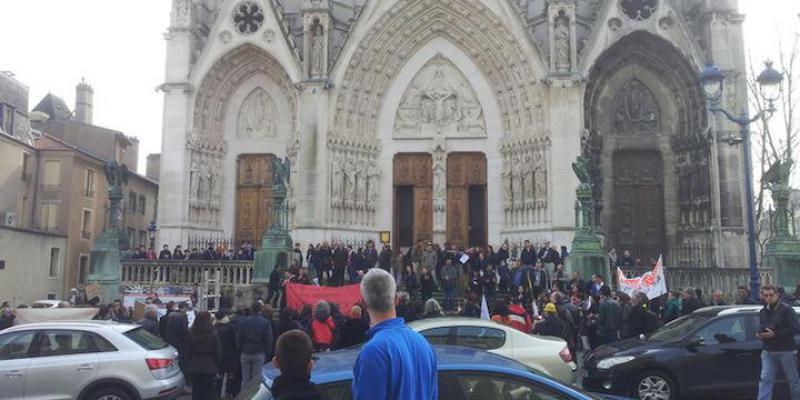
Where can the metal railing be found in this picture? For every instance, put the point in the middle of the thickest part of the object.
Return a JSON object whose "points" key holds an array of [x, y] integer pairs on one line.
{"points": [[707, 279], [162, 273]]}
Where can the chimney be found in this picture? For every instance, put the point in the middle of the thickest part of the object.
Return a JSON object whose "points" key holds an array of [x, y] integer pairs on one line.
{"points": [[84, 95]]}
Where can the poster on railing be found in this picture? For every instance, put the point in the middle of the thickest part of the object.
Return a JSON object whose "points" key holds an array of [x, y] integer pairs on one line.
{"points": [[298, 295], [653, 283]]}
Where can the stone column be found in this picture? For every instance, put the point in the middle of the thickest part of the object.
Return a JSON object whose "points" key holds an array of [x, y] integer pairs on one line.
{"points": [[565, 139], [439, 155], [173, 195]]}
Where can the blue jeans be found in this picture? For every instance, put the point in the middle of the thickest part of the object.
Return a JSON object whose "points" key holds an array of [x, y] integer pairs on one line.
{"points": [[770, 360], [251, 367], [448, 299]]}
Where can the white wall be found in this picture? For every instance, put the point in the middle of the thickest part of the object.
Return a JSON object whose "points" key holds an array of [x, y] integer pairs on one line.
{"points": [[25, 277]]}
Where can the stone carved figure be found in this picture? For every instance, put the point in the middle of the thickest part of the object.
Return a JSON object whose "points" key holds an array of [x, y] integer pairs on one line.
{"points": [[517, 185], [506, 177], [116, 176], [540, 177], [317, 49], [281, 172], [374, 177], [257, 116], [561, 41], [527, 181], [336, 180], [439, 100], [635, 109]]}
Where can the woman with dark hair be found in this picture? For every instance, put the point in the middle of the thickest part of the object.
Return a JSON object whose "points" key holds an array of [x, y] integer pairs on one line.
{"points": [[289, 320], [203, 356]]}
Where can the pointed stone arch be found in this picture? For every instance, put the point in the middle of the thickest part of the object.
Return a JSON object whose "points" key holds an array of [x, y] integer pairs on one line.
{"points": [[652, 152], [226, 76], [503, 60]]}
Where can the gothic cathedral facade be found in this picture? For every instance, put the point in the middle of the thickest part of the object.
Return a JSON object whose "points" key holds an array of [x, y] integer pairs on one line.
{"points": [[454, 121]]}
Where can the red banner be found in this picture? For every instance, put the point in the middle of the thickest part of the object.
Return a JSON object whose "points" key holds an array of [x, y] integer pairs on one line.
{"points": [[298, 295]]}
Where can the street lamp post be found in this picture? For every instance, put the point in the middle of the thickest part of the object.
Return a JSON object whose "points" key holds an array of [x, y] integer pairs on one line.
{"points": [[151, 233], [769, 81]]}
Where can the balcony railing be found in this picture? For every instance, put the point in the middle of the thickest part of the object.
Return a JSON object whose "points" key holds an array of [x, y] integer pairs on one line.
{"points": [[182, 273], [708, 279]]}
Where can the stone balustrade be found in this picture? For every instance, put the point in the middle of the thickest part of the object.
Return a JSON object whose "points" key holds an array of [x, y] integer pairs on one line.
{"points": [[185, 272]]}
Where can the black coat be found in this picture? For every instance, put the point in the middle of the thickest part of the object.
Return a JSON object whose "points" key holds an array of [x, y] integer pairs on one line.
{"points": [[783, 321], [230, 359], [287, 387], [690, 305], [641, 322], [353, 332], [340, 257], [203, 354], [385, 259], [177, 327]]}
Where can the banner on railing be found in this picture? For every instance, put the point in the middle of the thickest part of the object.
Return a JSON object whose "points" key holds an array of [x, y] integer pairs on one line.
{"points": [[653, 283], [298, 295]]}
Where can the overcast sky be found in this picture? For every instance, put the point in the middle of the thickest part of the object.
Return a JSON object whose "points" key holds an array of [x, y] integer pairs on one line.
{"points": [[118, 46]]}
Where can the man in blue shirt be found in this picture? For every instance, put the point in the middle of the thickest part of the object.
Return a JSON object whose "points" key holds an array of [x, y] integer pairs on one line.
{"points": [[396, 363]]}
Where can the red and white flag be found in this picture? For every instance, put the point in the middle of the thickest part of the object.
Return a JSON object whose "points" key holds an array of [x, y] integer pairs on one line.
{"points": [[653, 283]]}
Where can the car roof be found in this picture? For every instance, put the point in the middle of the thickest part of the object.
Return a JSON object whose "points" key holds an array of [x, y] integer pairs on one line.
{"points": [[452, 321], [735, 309], [96, 324], [338, 365]]}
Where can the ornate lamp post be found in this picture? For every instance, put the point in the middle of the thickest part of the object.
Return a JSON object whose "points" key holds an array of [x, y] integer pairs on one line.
{"points": [[151, 234], [712, 81]]}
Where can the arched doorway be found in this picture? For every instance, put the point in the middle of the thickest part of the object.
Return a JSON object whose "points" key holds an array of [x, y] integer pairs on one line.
{"points": [[253, 197], [645, 119]]}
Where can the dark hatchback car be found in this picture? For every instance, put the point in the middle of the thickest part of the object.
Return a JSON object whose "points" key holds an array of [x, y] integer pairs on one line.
{"points": [[712, 353]]}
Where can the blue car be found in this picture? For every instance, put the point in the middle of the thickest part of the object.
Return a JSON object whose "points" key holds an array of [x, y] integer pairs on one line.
{"points": [[464, 374]]}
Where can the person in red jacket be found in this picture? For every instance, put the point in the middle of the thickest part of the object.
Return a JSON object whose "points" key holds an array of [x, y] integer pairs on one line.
{"points": [[518, 318], [322, 327]]}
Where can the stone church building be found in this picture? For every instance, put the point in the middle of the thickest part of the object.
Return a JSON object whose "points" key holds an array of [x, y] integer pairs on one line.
{"points": [[455, 120]]}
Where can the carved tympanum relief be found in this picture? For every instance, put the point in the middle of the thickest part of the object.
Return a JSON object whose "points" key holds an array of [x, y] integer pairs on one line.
{"points": [[439, 100]]}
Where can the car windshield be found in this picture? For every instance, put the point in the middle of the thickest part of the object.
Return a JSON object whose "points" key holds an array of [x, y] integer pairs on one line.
{"points": [[145, 339], [678, 328]]}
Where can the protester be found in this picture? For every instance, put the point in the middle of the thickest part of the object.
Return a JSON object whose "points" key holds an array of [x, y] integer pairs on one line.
{"points": [[7, 316], [471, 307], [449, 282], [777, 327], [293, 352], [432, 309], [690, 302], [519, 318], [396, 363], [716, 298], [150, 321], [354, 330], [743, 296], [229, 364], [673, 308], [551, 325], [609, 320], [203, 354], [323, 327], [404, 308], [426, 283], [641, 321], [254, 339]]}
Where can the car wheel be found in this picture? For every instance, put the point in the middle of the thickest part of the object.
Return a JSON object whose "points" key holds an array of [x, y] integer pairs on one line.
{"points": [[654, 385], [110, 393]]}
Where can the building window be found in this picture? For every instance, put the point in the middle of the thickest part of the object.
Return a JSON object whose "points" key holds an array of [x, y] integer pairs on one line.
{"points": [[49, 217], [88, 187], [83, 269], [52, 175], [26, 173], [142, 204], [6, 119], [86, 225], [132, 202], [55, 254], [132, 238]]}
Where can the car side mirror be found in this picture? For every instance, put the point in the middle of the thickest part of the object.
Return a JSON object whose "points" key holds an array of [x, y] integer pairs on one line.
{"points": [[695, 342]]}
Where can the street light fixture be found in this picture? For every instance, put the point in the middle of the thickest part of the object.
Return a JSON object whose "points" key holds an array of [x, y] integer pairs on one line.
{"points": [[769, 81], [151, 233]]}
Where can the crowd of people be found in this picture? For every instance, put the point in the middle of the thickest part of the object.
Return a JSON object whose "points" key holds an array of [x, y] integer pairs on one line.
{"points": [[212, 252]]}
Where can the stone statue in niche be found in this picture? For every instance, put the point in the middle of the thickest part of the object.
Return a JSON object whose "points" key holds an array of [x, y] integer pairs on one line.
{"points": [[373, 182], [194, 176], [506, 177], [561, 42], [257, 116], [517, 185], [635, 109], [527, 181], [336, 180], [439, 100], [317, 49], [540, 176]]}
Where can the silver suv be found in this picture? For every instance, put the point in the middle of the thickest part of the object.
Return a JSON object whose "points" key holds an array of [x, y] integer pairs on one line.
{"points": [[86, 360]]}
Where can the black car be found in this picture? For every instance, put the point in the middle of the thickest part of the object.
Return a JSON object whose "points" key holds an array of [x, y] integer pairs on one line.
{"points": [[711, 353]]}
